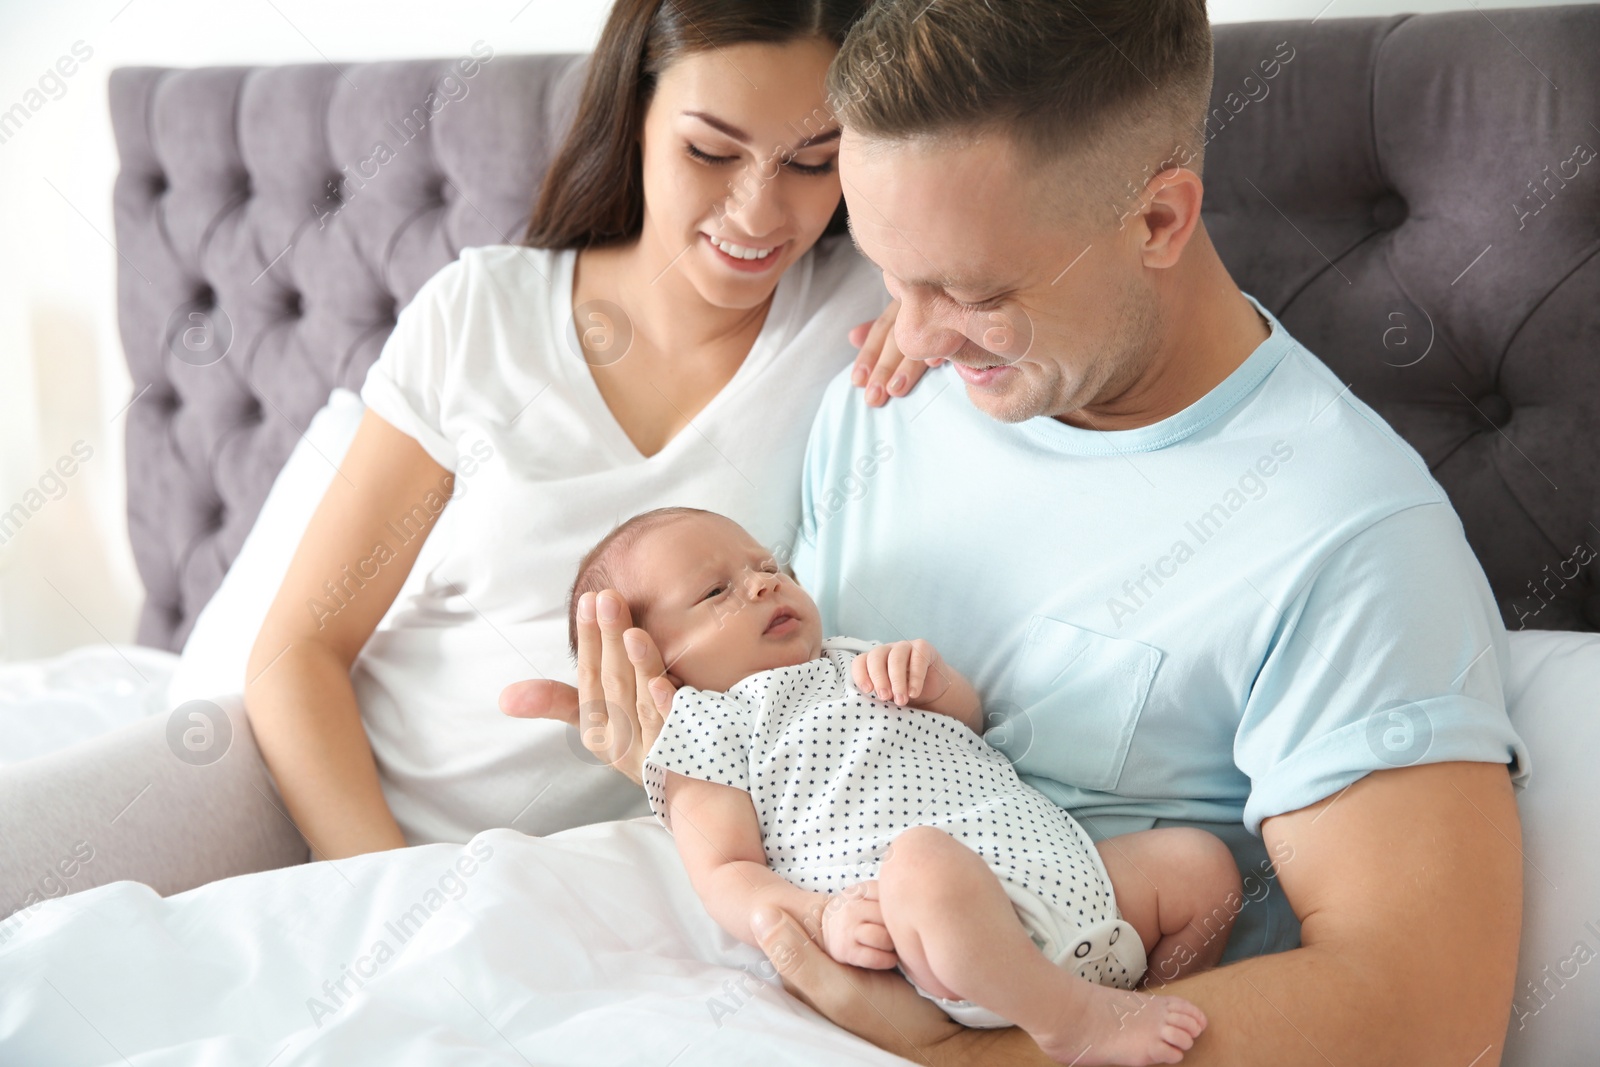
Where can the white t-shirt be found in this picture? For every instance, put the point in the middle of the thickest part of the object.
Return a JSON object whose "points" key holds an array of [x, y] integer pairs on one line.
{"points": [[484, 370]]}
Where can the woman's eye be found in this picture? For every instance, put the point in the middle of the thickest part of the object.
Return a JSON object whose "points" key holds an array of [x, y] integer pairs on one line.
{"points": [[813, 169], [706, 157]]}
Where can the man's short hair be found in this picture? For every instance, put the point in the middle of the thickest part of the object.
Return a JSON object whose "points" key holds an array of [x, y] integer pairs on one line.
{"points": [[1122, 86]]}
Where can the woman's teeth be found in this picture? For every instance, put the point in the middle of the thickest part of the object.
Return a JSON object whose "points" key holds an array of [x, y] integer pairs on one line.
{"points": [[741, 252]]}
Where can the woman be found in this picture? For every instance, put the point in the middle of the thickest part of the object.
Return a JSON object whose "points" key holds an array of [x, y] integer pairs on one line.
{"points": [[665, 340]]}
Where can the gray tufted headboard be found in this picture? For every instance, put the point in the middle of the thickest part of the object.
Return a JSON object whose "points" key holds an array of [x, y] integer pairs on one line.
{"points": [[1408, 195]]}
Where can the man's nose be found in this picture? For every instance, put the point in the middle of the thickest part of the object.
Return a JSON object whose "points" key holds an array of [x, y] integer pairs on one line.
{"points": [[921, 335]]}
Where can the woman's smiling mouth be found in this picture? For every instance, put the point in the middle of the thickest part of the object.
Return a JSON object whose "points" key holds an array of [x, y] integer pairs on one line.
{"points": [[743, 257]]}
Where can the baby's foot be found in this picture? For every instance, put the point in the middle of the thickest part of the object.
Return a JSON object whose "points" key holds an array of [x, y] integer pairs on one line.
{"points": [[1113, 1026]]}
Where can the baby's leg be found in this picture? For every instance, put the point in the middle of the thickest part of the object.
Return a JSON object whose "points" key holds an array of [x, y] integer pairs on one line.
{"points": [[1180, 889], [957, 935]]}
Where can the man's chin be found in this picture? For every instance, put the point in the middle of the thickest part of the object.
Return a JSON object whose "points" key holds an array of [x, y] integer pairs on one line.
{"points": [[1009, 405]]}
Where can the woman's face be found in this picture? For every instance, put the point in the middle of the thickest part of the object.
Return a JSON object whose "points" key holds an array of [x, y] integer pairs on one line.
{"points": [[740, 156]]}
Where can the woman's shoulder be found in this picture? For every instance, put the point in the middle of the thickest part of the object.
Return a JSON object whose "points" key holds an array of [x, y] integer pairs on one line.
{"points": [[514, 265], [485, 270]]}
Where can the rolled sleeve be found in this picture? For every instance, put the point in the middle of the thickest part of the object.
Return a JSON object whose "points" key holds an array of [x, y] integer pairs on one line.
{"points": [[1392, 655], [408, 384], [706, 736]]}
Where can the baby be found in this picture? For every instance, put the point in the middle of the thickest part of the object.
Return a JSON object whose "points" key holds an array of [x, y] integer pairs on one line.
{"points": [[845, 781]]}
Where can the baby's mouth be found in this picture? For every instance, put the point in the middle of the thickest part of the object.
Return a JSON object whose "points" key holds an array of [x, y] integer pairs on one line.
{"points": [[779, 617]]}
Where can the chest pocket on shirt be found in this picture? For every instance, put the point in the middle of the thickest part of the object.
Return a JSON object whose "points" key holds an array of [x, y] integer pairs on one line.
{"points": [[1075, 701]]}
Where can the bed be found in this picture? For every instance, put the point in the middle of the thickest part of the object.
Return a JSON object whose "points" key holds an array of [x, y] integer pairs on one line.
{"points": [[1405, 194]]}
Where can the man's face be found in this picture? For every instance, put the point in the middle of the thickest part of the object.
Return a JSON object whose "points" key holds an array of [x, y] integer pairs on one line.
{"points": [[718, 605], [992, 270]]}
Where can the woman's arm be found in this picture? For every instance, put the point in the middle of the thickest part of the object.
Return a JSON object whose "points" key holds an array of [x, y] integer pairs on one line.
{"points": [[719, 838], [302, 707]]}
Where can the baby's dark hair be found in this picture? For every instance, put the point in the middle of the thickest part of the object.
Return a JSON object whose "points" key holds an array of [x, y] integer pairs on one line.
{"points": [[599, 567]]}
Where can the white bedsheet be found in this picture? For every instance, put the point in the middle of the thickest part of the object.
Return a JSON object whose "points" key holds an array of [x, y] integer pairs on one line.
{"points": [[587, 947], [590, 947], [49, 704]]}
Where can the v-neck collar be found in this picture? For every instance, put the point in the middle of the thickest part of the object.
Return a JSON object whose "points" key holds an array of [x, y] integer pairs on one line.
{"points": [[778, 327]]}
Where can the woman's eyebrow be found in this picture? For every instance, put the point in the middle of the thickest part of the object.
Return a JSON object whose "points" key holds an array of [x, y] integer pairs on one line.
{"points": [[717, 124], [818, 138], [744, 138]]}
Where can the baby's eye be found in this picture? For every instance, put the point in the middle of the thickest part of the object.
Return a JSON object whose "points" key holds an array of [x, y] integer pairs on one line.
{"points": [[713, 591]]}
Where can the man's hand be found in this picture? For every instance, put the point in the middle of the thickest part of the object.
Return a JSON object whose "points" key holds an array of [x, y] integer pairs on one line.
{"points": [[853, 930], [907, 672], [623, 695], [880, 1006]]}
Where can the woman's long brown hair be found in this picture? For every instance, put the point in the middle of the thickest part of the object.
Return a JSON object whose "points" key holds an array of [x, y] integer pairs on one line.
{"points": [[593, 193]]}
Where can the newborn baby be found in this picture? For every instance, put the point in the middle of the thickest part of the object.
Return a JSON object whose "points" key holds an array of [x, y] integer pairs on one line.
{"points": [[844, 781]]}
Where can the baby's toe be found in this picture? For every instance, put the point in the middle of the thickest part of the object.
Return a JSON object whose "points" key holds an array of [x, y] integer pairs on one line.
{"points": [[1177, 1037], [1167, 1054], [1182, 1013]]}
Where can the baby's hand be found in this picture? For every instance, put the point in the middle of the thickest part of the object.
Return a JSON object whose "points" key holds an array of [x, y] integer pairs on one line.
{"points": [[903, 671], [853, 931]]}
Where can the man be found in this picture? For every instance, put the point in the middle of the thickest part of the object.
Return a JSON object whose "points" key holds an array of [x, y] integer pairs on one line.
{"points": [[1196, 581], [1193, 578]]}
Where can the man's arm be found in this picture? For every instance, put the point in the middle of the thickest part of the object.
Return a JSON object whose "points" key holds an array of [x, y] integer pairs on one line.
{"points": [[1408, 886]]}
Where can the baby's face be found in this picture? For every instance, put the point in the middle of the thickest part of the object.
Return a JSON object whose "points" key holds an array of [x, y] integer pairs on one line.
{"points": [[717, 604]]}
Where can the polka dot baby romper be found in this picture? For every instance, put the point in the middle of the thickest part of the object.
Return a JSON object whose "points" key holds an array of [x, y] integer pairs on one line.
{"points": [[835, 775]]}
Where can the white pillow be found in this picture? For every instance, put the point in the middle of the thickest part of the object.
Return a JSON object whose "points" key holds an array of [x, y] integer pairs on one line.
{"points": [[218, 648], [1553, 692]]}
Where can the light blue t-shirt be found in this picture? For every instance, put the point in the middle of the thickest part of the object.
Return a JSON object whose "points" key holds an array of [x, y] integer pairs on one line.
{"points": [[1224, 616]]}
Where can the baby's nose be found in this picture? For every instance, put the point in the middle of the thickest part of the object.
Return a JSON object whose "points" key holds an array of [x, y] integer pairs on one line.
{"points": [[759, 581]]}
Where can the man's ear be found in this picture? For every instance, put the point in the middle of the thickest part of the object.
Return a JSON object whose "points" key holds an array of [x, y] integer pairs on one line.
{"points": [[1170, 213]]}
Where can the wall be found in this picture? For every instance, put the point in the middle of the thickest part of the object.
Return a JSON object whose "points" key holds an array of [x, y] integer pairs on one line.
{"points": [[67, 576]]}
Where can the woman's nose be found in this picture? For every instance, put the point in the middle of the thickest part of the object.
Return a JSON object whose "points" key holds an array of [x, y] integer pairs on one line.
{"points": [[754, 203]]}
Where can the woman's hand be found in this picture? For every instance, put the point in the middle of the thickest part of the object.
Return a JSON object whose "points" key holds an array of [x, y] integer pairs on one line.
{"points": [[623, 695], [880, 366]]}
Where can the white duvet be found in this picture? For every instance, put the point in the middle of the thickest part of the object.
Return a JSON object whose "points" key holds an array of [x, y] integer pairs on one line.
{"points": [[588, 947]]}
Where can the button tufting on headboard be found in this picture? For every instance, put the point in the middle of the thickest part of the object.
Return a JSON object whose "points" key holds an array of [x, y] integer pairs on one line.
{"points": [[272, 243], [1370, 195], [1389, 211], [1384, 192]]}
